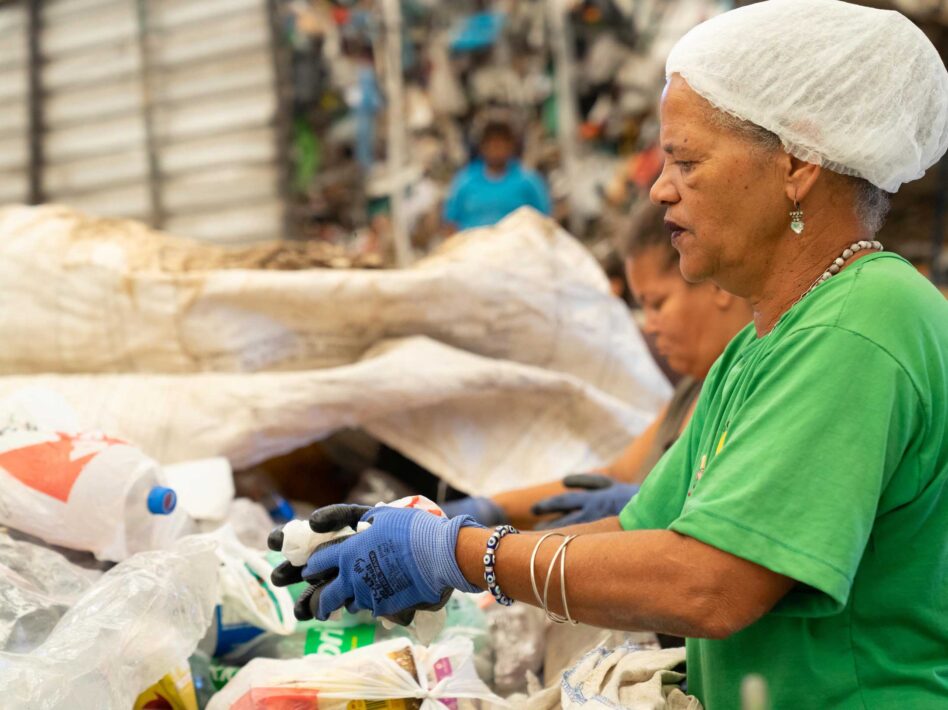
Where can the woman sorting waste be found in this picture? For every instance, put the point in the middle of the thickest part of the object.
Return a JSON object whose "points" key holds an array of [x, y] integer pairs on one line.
{"points": [[691, 324], [797, 528]]}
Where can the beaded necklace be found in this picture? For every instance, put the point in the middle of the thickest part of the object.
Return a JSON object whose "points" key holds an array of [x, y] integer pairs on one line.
{"points": [[841, 260]]}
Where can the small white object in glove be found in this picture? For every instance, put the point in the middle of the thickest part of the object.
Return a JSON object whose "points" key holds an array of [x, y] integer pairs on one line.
{"points": [[299, 540]]}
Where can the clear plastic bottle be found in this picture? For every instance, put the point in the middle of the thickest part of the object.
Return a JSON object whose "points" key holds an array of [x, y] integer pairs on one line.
{"points": [[201, 674]]}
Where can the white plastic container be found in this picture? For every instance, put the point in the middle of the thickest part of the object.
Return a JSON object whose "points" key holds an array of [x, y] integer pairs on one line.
{"points": [[85, 491], [205, 487]]}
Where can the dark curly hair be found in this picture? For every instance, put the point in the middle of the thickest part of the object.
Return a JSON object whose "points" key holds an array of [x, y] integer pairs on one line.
{"points": [[645, 231]]}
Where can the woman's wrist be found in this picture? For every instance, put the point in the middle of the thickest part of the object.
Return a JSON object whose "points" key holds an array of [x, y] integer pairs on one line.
{"points": [[516, 504], [503, 502], [470, 554]]}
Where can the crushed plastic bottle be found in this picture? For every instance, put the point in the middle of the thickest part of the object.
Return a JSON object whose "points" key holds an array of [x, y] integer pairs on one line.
{"points": [[202, 677]]}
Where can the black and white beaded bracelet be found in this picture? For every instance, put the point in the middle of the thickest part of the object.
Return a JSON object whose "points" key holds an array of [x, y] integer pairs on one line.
{"points": [[490, 557]]}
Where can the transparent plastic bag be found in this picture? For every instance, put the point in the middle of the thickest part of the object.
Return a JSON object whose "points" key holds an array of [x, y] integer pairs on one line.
{"points": [[250, 604], [464, 617], [346, 632], [519, 636], [37, 586], [440, 676], [202, 674], [123, 634], [250, 521], [246, 587]]}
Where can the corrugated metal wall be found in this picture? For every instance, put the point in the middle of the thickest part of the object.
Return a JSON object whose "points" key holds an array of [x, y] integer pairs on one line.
{"points": [[161, 110], [14, 106]]}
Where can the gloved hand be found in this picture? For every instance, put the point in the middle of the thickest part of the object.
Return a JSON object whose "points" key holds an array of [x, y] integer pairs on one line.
{"points": [[599, 497], [403, 562], [482, 509]]}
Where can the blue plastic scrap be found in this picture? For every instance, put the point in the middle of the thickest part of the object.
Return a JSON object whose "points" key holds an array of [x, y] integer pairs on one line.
{"points": [[478, 31]]}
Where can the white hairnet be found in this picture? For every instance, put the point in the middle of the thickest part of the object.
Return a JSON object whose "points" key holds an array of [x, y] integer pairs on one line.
{"points": [[860, 91]]}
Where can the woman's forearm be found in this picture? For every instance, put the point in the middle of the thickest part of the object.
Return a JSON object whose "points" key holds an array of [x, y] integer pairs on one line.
{"points": [[643, 580], [629, 466], [517, 504]]}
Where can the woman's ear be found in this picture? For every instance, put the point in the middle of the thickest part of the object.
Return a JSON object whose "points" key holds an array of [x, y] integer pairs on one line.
{"points": [[800, 178]]}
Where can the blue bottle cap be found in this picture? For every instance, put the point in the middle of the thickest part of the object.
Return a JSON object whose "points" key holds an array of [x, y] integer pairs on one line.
{"points": [[280, 509], [161, 500]]}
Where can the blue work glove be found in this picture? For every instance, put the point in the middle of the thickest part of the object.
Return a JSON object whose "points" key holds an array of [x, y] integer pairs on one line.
{"points": [[482, 509], [404, 562], [599, 497]]}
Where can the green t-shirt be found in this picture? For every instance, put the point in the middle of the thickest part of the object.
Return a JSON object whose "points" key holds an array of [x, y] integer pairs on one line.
{"points": [[820, 451]]}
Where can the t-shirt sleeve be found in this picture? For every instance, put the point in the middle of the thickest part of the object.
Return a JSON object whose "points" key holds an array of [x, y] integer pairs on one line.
{"points": [[538, 196], [451, 212], [659, 500], [795, 483]]}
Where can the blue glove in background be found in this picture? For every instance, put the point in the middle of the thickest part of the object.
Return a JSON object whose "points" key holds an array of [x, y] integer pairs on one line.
{"points": [[482, 509], [405, 561], [599, 497]]}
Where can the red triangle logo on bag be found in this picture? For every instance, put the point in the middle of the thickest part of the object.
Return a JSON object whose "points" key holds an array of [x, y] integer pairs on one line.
{"points": [[52, 467]]}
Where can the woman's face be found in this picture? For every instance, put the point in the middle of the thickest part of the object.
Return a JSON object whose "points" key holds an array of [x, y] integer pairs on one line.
{"points": [[724, 198], [497, 150], [688, 328]]}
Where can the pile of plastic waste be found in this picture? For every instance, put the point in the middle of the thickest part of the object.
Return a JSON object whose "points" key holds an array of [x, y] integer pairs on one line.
{"points": [[125, 586], [132, 577]]}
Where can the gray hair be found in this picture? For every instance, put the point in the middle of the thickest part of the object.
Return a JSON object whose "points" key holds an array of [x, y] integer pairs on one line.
{"points": [[872, 203]]}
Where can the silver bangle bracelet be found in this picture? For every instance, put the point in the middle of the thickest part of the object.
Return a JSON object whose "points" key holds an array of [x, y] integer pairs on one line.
{"points": [[533, 559], [559, 554], [568, 618]]}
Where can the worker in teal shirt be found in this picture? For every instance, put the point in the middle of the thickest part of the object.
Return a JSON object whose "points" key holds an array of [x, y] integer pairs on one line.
{"points": [[493, 185]]}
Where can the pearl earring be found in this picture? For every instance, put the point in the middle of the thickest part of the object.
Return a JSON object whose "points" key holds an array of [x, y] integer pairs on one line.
{"points": [[796, 218]]}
